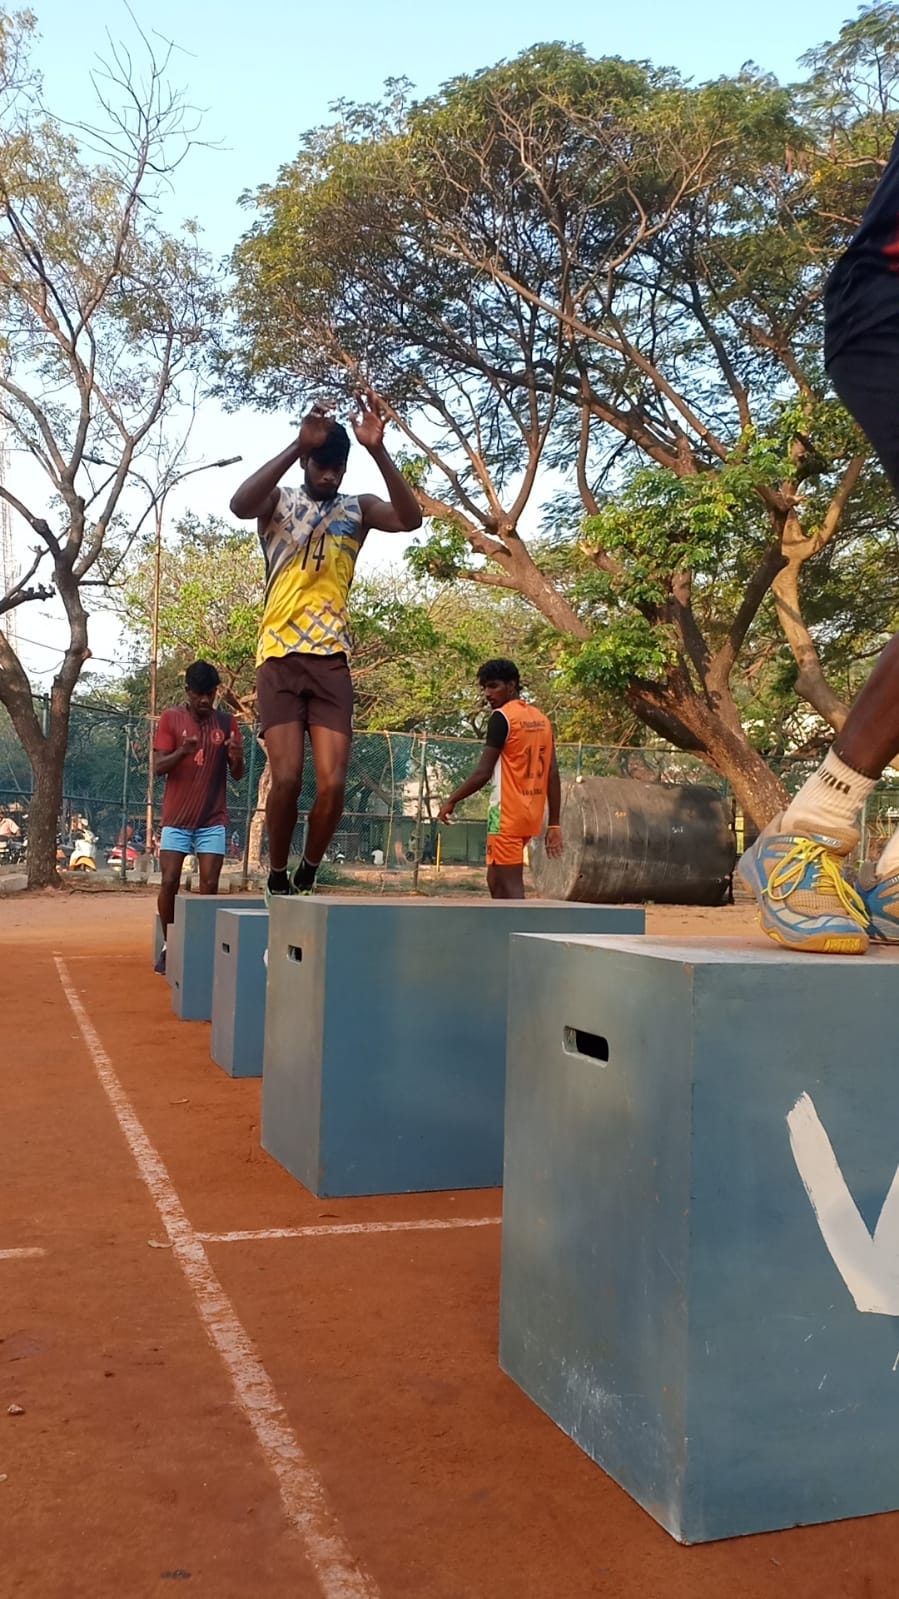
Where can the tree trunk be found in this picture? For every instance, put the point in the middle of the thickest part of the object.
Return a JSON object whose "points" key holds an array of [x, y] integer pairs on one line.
{"points": [[757, 790], [43, 816], [759, 793], [46, 751], [693, 725], [811, 684], [257, 824]]}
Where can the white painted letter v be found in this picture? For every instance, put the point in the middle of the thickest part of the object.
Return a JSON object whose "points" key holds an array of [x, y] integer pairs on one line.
{"points": [[868, 1266]]}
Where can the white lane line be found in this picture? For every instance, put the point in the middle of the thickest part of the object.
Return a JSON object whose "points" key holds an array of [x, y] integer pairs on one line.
{"points": [[302, 1493], [444, 1225], [20, 1254]]}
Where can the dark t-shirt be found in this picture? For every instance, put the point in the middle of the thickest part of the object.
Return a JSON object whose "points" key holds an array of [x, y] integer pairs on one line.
{"points": [[862, 291], [195, 793], [497, 731]]}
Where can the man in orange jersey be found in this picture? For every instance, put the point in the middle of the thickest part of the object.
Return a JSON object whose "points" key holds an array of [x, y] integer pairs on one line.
{"points": [[520, 757]]}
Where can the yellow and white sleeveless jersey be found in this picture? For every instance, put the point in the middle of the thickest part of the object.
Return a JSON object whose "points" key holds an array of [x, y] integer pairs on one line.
{"points": [[310, 549]]}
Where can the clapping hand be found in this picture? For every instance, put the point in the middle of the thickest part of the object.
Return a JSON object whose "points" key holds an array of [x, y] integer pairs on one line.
{"points": [[315, 428], [368, 419]]}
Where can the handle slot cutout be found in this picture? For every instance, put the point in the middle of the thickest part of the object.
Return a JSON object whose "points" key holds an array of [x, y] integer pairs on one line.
{"points": [[590, 1045]]}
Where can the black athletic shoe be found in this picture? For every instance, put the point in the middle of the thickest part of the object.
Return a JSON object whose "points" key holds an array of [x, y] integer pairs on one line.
{"points": [[280, 889], [303, 879]]}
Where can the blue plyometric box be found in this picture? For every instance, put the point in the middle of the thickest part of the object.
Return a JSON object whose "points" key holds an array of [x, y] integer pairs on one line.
{"points": [[191, 947], [700, 1278], [238, 991], [385, 1037]]}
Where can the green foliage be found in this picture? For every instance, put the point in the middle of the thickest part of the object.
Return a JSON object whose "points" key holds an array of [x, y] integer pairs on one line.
{"points": [[210, 602], [626, 649], [659, 524], [442, 555]]}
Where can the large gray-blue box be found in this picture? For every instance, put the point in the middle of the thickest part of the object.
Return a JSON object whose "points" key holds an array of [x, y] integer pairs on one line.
{"points": [[385, 1036], [238, 991], [191, 948], [700, 1139]]}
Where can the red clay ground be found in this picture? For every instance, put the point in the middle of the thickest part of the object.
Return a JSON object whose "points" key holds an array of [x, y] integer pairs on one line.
{"points": [[132, 1467]]}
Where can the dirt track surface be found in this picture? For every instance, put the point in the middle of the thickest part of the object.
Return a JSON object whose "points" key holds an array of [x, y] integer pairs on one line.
{"points": [[134, 1467]]}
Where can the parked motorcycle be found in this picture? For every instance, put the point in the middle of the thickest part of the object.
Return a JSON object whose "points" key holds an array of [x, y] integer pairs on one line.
{"points": [[114, 859], [84, 852], [12, 851]]}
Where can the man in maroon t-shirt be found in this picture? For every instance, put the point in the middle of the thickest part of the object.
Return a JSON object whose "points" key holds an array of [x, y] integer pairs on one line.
{"points": [[194, 749]]}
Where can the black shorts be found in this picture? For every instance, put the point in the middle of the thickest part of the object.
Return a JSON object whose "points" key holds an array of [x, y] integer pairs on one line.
{"points": [[314, 690], [865, 374]]}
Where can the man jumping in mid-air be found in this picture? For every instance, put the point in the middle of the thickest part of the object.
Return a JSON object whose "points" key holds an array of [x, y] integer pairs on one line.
{"points": [[311, 538], [795, 868]]}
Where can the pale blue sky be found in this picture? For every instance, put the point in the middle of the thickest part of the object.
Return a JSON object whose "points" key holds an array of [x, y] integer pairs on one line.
{"points": [[265, 72]]}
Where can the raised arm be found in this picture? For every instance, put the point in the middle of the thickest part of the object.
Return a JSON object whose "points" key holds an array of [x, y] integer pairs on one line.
{"points": [[258, 494], [401, 513]]}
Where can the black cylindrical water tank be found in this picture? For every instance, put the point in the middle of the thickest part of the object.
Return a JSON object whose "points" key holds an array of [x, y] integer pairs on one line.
{"points": [[627, 841]]}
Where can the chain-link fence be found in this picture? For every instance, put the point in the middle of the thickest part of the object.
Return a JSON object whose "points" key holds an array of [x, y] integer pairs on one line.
{"points": [[395, 786]]}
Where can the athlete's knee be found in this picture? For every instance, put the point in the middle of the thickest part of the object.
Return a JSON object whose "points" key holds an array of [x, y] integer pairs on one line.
{"points": [[330, 788], [210, 872], [287, 780]]}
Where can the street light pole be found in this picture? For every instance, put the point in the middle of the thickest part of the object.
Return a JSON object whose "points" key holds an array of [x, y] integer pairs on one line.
{"points": [[154, 674], [159, 505]]}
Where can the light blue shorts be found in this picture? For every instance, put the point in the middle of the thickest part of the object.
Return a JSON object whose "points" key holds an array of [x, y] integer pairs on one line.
{"points": [[193, 841]]}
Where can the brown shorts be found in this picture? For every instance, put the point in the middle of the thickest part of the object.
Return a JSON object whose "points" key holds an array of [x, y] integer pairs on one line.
{"points": [[314, 690]]}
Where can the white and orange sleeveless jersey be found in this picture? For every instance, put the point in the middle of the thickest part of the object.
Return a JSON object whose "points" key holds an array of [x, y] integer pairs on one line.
{"points": [[521, 775]]}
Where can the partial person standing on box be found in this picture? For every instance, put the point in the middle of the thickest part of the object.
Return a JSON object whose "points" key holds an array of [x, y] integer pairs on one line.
{"points": [[519, 759], [796, 868], [311, 538], [195, 748]]}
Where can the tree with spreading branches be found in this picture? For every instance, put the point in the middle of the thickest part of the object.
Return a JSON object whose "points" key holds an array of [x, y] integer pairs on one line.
{"points": [[595, 270], [106, 316]]}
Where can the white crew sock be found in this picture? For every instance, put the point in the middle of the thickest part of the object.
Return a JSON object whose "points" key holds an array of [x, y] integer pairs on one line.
{"points": [[888, 864], [830, 801]]}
